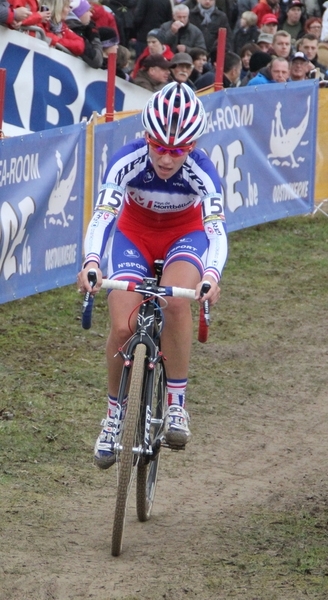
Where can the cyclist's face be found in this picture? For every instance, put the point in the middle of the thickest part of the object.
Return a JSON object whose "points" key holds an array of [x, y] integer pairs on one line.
{"points": [[166, 165]]}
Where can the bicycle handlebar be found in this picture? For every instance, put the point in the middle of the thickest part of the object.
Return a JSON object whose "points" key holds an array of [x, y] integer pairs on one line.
{"points": [[147, 288]]}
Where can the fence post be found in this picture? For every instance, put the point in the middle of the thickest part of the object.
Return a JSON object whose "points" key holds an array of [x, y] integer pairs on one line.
{"points": [[220, 53], [110, 92], [2, 98]]}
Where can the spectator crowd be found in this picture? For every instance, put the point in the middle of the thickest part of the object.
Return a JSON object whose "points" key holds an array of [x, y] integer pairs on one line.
{"points": [[157, 41]]}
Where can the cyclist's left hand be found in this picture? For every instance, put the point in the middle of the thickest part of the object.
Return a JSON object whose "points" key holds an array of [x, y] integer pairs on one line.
{"points": [[212, 295]]}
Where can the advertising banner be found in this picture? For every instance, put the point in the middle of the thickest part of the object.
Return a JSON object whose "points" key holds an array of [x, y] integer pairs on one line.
{"points": [[41, 211], [48, 88], [262, 141]]}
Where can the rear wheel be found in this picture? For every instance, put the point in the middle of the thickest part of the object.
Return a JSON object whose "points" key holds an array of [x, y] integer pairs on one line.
{"points": [[147, 471], [128, 441]]}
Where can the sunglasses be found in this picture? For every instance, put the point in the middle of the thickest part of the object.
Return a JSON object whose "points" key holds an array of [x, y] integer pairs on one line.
{"points": [[174, 151]]}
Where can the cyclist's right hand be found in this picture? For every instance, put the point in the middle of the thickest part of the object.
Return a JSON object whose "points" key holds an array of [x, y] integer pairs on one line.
{"points": [[83, 283]]}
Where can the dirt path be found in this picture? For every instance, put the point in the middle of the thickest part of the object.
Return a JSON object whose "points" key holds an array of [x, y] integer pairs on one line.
{"points": [[263, 456]]}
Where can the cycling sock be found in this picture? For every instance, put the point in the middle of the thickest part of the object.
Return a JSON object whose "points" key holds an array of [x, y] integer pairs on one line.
{"points": [[112, 402], [176, 391]]}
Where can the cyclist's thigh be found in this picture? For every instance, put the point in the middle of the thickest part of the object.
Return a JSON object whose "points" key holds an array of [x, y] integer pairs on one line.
{"points": [[125, 260], [191, 249]]}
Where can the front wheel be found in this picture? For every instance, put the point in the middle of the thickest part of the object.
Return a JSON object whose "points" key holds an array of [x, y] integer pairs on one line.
{"points": [[129, 441], [148, 468]]}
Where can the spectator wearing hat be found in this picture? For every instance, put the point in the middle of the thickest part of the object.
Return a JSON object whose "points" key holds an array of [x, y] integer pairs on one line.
{"points": [[154, 74], [277, 71], [209, 19], [79, 21], [109, 43], [103, 17], [269, 24], [299, 67], [180, 34], [155, 45], [258, 61], [149, 15], [264, 41], [266, 7], [181, 67], [246, 32], [294, 20]]}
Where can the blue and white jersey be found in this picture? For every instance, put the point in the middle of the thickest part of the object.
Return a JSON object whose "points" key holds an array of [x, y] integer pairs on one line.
{"points": [[131, 181]]}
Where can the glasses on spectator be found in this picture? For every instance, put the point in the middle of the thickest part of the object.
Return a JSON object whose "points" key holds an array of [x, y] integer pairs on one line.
{"points": [[174, 151], [315, 27]]}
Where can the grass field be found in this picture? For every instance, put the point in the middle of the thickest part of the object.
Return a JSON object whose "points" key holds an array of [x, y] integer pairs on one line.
{"points": [[265, 364]]}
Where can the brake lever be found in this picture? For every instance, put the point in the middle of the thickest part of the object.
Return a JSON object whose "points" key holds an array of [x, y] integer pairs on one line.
{"points": [[206, 305], [92, 278]]}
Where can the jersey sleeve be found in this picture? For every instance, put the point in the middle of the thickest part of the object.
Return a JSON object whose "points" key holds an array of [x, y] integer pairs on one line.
{"points": [[206, 183], [122, 168]]}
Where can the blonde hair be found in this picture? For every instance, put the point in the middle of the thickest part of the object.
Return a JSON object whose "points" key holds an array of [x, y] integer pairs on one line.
{"points": [[56, 7], [250, 17]]}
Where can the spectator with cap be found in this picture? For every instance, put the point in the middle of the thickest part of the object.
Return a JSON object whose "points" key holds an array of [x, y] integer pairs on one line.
{"points": [[269, 24], [246, 32], [309, 44], [79, 21], [155, 45], [299, 67], [149, 15], [277, 71], [264, 41], [181, 67], [281, 44], [294, 20], [266, 7], [209, 19], [257, 61], [154, 74], [180, 34]]}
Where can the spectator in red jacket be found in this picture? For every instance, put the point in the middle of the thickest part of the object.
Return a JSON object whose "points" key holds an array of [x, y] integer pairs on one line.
{"points": [[155, 45], [266, 7], [37, 15], [12, 16], [58, 32]]}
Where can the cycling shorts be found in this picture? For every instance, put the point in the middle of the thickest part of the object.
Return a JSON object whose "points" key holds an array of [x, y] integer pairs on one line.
{"points": [[135, 245]]}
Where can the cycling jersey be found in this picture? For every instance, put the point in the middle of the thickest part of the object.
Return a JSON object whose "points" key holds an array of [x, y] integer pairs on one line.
{"points": [[145, 204]]}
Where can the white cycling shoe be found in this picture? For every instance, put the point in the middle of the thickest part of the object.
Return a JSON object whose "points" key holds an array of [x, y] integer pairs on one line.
{"points": [[176, 428], [104, 448]]}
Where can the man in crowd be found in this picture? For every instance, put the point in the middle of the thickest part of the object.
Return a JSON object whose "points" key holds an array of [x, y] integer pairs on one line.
{"points": [[299, 67], [231, 71], [181, 67], [180, 34], [276, 72], [208, 18], [281, 44], [293, 22], [154, 74], [309, 45], [264, 41]]}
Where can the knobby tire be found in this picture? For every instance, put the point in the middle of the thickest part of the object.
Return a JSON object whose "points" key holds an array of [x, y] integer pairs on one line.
{"points": [[128, 442], [147, 472]]}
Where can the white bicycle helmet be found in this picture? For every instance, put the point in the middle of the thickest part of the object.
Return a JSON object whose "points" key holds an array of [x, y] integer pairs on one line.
{"points": [[174, 115]]}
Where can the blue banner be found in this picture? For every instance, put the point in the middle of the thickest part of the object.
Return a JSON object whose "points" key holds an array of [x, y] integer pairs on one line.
{"points": [[41, 210], [262, 141]]}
